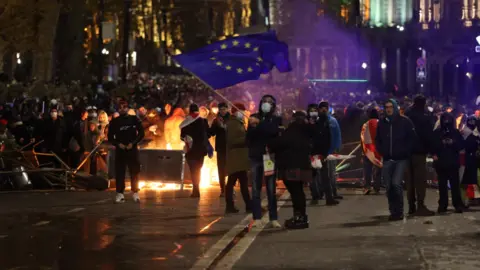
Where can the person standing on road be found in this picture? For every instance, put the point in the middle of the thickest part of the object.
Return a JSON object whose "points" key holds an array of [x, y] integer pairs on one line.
{"points": [[263, 127], [394, 141], [372, 160], [417, 170], [321, 146], [218, 130], [447, 144], [292, 152], [125, 132], [236, 164], [194, 132], [335, 145]]}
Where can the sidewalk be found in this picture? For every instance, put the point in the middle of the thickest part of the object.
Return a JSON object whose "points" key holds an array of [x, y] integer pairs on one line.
{"points": [[357, 235]]}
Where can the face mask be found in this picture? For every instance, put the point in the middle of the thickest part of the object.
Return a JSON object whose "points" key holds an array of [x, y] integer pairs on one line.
{"points": [[54, 114], [266, 107], [313, 114], [239, 115]]}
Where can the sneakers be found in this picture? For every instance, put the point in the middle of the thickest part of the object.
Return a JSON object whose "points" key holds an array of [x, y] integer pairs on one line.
{"points": [[297, 223], [119, 198], [257, 223], [136, 198], [273, 224]]}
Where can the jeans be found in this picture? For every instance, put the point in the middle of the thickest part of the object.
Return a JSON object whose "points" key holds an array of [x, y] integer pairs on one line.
{"points": [[371, 172], [295, 188], [271, 185], [242, 177], [332, 175], [321, 184], [392, 173]]}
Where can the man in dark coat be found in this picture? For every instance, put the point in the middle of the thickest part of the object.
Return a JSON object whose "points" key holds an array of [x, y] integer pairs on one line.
{"points": [[394, 141], [417, 170], [194, 132], [55, 130], [218, 130]]}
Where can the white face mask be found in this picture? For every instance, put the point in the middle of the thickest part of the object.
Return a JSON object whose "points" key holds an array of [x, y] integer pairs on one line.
{"points": [[239, 115], [54, 114], [313, 114], [266, 107]]}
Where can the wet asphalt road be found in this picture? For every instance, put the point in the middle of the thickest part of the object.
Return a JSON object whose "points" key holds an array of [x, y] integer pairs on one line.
{"points": [[85, 230]]}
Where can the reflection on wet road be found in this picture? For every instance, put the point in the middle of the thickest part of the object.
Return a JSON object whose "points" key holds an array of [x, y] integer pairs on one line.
{"points": [[85, 230]]}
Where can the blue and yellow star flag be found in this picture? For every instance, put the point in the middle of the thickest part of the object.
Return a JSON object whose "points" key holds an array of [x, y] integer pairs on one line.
{"points": [[235, 60]]}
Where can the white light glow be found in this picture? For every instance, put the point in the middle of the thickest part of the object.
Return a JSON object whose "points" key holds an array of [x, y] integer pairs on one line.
{"points": [[364, 65], [457, 65], [369, 92], [105, 51], [18, 55], [383, 66], [19, 61], [469, 75], [478, 40], [401, 28]]}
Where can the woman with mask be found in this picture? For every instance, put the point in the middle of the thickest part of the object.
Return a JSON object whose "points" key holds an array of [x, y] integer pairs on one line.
{"points": [[292, 152], [237, 163], [263, 128], [447, 144]]}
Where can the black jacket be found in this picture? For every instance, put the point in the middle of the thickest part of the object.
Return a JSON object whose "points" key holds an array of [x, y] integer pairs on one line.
{"points": [[292, 149], [125, 129], [446, 146], [423, 128], [321, 137], [258, 137], [219, 133], [395, 138], [197, 130], [54, 135]]}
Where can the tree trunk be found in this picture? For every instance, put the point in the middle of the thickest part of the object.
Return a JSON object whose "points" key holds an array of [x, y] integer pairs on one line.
{"points": [[49, 12]]}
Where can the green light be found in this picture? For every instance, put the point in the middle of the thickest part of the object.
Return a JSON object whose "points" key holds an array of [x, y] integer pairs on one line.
{"points": [[339, 80]]}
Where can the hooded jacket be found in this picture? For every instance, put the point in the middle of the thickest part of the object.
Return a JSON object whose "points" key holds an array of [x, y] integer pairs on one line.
{"points": [[395, 136], [447, 143], [268, 129]]}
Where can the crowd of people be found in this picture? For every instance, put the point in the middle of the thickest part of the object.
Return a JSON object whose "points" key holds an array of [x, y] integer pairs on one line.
{"points": [[291, 132]]}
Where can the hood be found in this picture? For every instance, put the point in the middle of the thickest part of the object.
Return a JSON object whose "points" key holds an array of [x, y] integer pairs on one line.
{"points": [[419, 103], [274, 105], [396, 111], [178, 112], [447, 121]]}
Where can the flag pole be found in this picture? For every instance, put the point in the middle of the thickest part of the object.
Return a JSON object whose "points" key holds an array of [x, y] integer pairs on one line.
{"points": [[209, 87]]}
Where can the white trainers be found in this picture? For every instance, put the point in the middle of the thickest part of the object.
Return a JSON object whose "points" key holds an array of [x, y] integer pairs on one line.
{"points": [[136, 197], [119, 198], [273, 224], [257, 223]]}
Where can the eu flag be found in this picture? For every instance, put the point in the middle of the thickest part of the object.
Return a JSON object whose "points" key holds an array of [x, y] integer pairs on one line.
{"points": [[235, 60]]}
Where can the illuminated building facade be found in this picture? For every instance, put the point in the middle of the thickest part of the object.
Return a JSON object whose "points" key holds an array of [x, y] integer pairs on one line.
{"points": [[384, 13]]}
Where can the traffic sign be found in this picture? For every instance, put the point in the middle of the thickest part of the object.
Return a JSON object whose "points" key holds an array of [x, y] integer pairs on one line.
{"points": [[421, 74], [421, 62]]}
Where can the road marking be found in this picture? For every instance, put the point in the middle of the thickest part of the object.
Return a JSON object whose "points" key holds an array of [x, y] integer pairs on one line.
{"points": [[102, 201], [240, 248], [74, 210], [41, 223]]}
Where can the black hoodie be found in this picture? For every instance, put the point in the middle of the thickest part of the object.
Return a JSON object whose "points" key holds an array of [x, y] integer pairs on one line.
{"points": [[423, 126], [447, 143]]}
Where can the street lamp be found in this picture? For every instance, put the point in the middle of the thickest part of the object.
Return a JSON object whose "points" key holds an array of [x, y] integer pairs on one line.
{"points": [[364, 65], [383, 66]]}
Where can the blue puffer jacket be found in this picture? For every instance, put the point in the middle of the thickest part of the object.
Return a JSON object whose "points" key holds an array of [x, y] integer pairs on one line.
{"points": [[395, 136], [335, 135]]}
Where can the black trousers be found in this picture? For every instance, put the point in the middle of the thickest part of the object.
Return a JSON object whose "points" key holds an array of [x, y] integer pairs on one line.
{"points": [[444, 176], [195, 167], [242, 177], [416, 180], [295, 188], [221, 165], [124, 159]]}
